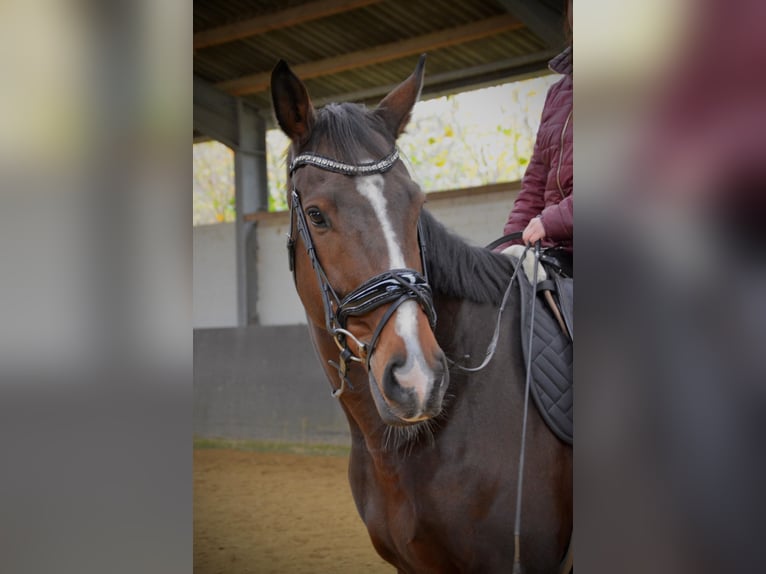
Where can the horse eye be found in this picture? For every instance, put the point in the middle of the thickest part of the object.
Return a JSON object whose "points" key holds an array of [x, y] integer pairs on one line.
{"points": [[315, 216]]}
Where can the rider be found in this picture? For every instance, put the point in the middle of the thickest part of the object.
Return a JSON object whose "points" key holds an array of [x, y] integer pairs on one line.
{"points": [[543, 207]]}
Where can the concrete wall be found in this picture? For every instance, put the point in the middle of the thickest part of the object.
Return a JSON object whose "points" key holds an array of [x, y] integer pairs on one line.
{"points": [[214, 276], [477, 217], [263, 383], [278, 303]]}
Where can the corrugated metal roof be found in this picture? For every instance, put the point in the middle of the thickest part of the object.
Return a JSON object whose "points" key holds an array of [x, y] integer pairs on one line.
{"points": [[359, 49]]}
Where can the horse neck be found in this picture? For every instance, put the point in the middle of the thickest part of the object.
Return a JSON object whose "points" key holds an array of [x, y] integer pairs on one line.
{"points": [[469, 284], [459, 271]]}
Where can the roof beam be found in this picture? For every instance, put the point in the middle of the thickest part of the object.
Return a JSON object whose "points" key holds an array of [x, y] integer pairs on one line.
{"points": [[215, 113], [255, 83], [507, 70], [545, 22], [275, 21]]}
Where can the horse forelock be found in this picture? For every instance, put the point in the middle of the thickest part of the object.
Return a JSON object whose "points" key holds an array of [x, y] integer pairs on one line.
{"points": [[351, 133], [459, 270]]}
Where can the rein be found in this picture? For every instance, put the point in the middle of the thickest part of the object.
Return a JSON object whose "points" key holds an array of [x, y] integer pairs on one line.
{"points": [[527, 385], [394, 286], [496, 334]]}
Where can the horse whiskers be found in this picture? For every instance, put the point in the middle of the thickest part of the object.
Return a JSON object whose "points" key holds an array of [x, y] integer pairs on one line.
{"points": [[406, 438], [401, 438]]}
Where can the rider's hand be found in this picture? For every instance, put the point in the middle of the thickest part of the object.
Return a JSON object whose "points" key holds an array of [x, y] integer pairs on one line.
{"points": [[534, 231]]}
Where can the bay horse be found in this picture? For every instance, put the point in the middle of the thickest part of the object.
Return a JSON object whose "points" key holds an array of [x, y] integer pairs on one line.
{"points": [[396, 305]]}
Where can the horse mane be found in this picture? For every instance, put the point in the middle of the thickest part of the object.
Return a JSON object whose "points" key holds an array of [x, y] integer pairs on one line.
{"points": [[460, 270], [352, 133]]}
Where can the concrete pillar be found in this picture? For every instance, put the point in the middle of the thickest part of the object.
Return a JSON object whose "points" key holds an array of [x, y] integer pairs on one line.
{"points": [[237, 124], [251, 195]]}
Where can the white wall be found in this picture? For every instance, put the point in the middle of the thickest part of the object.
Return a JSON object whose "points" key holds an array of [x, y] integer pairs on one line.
{"points": [[215, 275], [476, 216], [278, 303]]}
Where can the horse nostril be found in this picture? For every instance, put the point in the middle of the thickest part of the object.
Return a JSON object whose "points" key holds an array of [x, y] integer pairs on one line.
{"points": [[391, 384], [395, 364]]}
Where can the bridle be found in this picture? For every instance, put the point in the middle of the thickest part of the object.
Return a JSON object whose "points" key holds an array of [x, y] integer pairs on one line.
{"points": [[392, 287]]}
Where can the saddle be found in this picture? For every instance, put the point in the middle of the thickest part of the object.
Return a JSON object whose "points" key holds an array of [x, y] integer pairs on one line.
{"points": [[551, 350]]}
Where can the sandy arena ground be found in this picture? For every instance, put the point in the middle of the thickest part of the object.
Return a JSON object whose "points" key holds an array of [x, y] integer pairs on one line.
{"points": [[266, 513]]}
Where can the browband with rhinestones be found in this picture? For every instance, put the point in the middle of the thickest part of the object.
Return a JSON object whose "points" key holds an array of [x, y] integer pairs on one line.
{"points": [[328, 164]]}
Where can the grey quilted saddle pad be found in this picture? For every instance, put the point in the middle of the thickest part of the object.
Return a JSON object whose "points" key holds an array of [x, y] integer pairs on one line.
{"points": [[551, 386]]}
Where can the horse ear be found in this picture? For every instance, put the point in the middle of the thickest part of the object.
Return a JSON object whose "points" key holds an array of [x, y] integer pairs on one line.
{"points": [[292, 105], [396, 107]]}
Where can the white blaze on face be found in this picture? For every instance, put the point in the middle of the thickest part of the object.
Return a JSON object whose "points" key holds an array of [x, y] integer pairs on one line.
{"points": [[371, 187], [415, 373]]}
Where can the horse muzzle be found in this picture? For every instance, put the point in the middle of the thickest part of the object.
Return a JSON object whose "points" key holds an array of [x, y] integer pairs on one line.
{"points": [[411, 390]]}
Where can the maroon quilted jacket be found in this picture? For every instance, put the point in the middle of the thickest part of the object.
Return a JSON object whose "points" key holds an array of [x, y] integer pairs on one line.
{"points": [[546, 188]]}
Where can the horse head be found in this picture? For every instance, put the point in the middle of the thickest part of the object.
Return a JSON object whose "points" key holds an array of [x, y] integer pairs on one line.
{"points": [[358, 262]]}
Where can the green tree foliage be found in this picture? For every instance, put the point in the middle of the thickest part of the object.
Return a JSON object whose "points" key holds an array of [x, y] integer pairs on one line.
{"points": [[470, 139], [475, 138], [276, 154], [213, 166]]}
